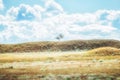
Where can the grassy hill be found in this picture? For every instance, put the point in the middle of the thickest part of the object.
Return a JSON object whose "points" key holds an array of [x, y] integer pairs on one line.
{"points": [[58, 45], [103, 51]]}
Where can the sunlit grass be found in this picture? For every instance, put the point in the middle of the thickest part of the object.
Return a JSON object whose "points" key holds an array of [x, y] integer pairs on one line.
{"points": [[38, 56], [103, 51], [108, 67], [52, 56], [58, 63]]}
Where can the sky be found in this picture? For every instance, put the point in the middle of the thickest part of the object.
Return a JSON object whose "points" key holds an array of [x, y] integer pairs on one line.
{"points": [[43, 20]]}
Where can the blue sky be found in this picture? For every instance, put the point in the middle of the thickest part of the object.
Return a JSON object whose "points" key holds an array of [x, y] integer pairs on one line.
{"points": [[71, 6], [81, 6], [43, 20]]}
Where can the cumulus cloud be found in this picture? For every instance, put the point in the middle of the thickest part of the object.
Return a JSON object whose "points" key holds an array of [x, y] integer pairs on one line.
{"points": [[51, 5], [25, 12], [36, 23], [52, 8], [1, 4]]}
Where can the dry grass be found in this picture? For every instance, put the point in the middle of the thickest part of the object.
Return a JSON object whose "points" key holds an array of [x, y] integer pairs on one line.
{"points": [[52, 56], [103, 51], [106, 67], [38, 56], [59, 63], [58, 46]]}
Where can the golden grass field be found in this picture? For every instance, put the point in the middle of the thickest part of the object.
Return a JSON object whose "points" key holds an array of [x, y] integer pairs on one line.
{"points": [[62, 63]]}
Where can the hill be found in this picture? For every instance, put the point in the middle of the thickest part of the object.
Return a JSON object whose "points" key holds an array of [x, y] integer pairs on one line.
{"points": [[103, 51], [58, 45]]}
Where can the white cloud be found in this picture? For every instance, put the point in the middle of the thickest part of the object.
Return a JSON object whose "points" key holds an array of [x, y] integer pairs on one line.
{"points": [[1, 4], [52, 8], [35, 23], [93, 27], [110, 14], [25, 12]]}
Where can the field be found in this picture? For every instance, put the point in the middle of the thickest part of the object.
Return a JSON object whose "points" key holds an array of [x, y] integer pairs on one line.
{"points": [[73, 65]]}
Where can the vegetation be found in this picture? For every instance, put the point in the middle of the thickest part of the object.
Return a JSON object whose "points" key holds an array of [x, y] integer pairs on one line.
{"points": [[63, 60], [103, 51], [54, 56], [50, 65], [58, 46], [59, 37]]}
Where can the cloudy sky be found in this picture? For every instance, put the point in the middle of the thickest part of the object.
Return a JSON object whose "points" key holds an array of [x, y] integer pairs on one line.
{"points": [[43, 20]]}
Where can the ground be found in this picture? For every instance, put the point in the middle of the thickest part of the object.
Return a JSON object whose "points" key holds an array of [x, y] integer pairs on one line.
{"points": [[58, 66]]}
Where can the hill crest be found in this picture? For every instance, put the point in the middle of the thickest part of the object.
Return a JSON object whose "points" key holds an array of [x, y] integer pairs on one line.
{"points": [[58, 45]]}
